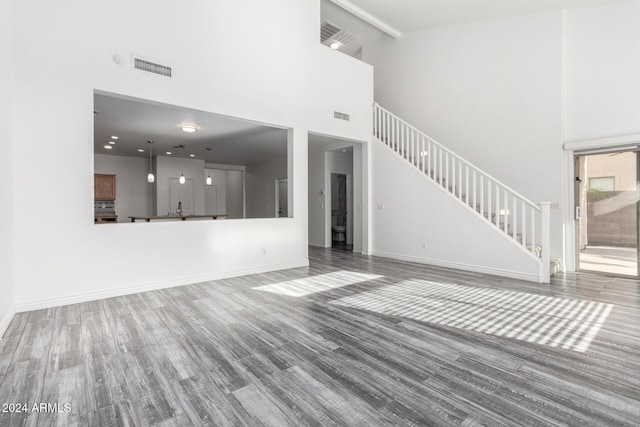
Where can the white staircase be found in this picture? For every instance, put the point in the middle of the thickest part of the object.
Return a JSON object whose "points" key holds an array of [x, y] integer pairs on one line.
{"points": [[521, 221]]}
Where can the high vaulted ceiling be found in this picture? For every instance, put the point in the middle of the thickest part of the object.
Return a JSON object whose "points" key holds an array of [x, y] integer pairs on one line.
{"points": [[413, 15]]}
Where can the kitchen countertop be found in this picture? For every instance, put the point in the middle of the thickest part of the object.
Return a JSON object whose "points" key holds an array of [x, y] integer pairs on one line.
{"points": [[182, 217]]}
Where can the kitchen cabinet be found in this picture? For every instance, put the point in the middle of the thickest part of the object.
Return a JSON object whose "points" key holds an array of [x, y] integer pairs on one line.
{"points": [[104, 187]]}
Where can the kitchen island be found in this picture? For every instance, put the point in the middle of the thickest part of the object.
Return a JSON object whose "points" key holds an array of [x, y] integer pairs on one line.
{"points": [[182, 217]]}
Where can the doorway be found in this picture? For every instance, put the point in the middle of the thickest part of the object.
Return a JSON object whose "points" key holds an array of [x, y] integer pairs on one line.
{"points": [[282, 205], [330, 157], [341, 199], [606, 212]]}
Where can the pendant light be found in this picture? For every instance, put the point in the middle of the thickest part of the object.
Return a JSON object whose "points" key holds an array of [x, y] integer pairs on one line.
{"points": [[150, 178], [209, 180], [182, 179]]}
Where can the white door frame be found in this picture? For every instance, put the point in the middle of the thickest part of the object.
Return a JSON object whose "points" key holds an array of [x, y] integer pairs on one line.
{"points": [[277, 192], [360, 188], [570, 150]]}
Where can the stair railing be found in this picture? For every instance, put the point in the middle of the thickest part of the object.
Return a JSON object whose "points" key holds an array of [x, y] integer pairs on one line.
{"points": [[504, 208]]}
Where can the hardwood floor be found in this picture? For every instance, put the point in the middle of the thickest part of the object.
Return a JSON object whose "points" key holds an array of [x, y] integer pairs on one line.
{"points": [[351, 340]]}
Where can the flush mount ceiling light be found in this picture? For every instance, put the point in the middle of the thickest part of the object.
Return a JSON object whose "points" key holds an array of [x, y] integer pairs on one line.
{"points": [[108, 147], [188, 127], [335, 45], [140, 150], [112, 142], [114, 137], [192, 155], [168, 153]]}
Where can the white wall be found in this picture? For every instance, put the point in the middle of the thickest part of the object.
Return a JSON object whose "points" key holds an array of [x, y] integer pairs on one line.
{"points": [[317, 196], [460, 239], [490, 91], [133, 192], [6, 168], [235, 194], [602, 72], [261, 187], [256, 77]]}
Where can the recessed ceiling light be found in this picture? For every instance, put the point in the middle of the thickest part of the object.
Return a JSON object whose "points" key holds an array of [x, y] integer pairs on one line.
{"points": [[188, 127], [140, 150], [335, 45], [108, 147], [168, 153], [114, 137], [192, 155], [112, 142]]}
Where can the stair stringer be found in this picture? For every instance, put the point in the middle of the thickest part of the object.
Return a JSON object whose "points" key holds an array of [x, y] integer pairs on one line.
{"points": [[409, 208]]}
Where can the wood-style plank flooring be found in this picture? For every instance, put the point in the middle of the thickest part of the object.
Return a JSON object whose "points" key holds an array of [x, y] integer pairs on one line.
{"points": [[349, 341]]}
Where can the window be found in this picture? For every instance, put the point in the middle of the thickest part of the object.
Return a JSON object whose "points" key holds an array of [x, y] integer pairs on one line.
{"points": [[605, 183]]}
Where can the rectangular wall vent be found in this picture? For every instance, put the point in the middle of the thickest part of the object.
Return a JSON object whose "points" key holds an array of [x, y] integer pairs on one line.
{"points": [[150, 67], [327, 31], [341, 116]]}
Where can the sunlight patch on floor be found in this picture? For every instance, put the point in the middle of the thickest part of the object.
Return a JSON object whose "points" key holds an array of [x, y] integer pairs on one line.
{"points": [[314, 284], [556, 322]]}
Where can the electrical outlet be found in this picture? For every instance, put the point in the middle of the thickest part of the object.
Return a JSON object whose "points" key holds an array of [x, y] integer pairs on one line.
{"points": [[264, 251], [381, 206], [424, 245]]}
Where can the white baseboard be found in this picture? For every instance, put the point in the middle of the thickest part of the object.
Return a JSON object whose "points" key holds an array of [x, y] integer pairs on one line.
{"points": [[111, 293], [6, 320], [459, 266]]}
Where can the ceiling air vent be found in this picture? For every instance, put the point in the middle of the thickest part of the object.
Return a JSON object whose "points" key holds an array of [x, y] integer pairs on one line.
{"points": [[341, 116], [327, 31], [151, 67], [330, 32]]}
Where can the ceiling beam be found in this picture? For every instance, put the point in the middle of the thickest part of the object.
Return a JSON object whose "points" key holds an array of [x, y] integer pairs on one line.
{"points": [[367, 17]]}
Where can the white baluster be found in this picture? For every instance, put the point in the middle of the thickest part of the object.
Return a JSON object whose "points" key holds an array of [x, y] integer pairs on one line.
{"points": [[401, 131], [375, 121], [524, 224], [453, 175], [482, 195], [447, 179], [460, 179], [385, 128], [467, 197], [533, 231], [514, 232], [475, 190], [440, 174], [497, 197], [413, 148], [506, 217], [423, 159], [489, 200]]}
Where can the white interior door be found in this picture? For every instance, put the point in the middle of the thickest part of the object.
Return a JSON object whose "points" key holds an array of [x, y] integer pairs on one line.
{"points": [[210, 200]]}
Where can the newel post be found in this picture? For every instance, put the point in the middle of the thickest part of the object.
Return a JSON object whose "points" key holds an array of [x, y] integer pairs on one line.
{"points": [[545, 274]]}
